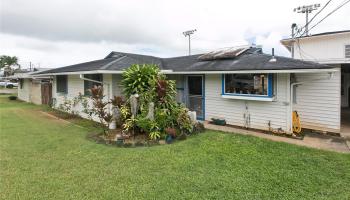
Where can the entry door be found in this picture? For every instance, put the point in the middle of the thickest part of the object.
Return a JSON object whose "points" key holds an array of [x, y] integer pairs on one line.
{"points": [[195, 101], [46, 92]]}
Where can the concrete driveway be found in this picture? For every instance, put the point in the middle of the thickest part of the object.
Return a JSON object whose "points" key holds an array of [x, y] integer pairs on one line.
{"points": [[8, 91], [345, 123]]}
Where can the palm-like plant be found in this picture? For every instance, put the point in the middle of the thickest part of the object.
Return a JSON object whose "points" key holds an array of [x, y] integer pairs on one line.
{"points": [[7, 62], [139, 78]]}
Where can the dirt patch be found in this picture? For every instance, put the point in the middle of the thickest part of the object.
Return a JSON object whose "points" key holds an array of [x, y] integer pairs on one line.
{"points": [[50, 116]]}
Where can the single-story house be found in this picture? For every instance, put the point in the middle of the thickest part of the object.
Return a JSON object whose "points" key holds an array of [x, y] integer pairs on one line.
{"points": [[37, 90], [245, 86]]}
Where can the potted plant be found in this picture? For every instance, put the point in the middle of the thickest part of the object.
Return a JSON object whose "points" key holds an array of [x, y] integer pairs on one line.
{"points": [[171, 131]]}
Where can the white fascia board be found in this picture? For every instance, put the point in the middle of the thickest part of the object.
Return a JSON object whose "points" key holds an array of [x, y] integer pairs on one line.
{"points": [[199, 72], [315, 36], [81, 72], [260, 71]]}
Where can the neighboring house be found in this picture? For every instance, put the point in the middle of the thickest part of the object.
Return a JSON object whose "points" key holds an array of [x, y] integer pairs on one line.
{"points": [[243, 85], [37, 90], [331, 48]]}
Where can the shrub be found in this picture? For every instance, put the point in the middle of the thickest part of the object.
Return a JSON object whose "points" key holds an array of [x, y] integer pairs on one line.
{"points": [[138, 79], [152, 87], [100, 108], [12, 98]]}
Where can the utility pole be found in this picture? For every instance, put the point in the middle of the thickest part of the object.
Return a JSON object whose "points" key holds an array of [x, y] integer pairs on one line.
{"points": [[188, 34], [307, 9], [293, 27]]}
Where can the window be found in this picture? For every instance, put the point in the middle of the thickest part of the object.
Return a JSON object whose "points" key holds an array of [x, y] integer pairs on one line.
{"points": [[89, 84], [347, 51], [62, 84], [259, 85]]}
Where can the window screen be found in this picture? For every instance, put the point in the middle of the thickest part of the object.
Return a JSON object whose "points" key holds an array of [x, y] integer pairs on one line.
{"points": [[89, 84], [62, 84]]}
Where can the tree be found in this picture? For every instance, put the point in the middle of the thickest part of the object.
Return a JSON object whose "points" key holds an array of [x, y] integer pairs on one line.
{"points": [[7, 62]]}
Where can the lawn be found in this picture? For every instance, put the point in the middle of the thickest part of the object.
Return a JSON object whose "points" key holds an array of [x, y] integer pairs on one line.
{"points": [[43, 158]]}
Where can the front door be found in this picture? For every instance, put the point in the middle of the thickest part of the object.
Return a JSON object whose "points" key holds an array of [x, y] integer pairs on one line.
{"points": [[46, 92], [195, 100]]}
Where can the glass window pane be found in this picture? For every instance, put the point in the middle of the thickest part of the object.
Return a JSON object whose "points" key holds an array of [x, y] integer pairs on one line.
{"points": [[89, 84], [249, 84], [195, 85], [61, 85]]}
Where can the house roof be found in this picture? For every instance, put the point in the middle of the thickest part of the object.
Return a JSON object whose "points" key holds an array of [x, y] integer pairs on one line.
{"points": [[30, 74], [319, 34], [250, 59]]}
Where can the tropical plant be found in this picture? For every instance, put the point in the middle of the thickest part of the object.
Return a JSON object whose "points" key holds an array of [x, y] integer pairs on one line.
{"points": [[129, 124], [139, 78], [184, 121], [147, 125], [7, 62], [66, 105], [125, 112], [154, 135], [152, 87], [117, 101], [100, 108]]}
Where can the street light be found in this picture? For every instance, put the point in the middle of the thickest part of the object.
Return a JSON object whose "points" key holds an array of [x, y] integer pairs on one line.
{"points": [[189, 33]]}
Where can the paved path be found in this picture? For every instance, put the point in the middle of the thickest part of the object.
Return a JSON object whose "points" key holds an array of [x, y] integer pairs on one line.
{"points": [[345, 123], [8, 91], [312, 140]]}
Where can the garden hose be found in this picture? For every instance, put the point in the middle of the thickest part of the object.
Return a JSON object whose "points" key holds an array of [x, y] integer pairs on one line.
{"points": [[296, 123]]}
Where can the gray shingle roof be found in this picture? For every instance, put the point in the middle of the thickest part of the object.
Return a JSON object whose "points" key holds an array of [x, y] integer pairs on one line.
{"points": [[252, 59]]}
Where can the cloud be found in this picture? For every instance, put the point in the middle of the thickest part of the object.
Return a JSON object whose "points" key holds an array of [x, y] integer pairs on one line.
{"points": [[59, 32]]}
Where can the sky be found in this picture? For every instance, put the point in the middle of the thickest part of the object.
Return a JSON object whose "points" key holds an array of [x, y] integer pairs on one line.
{"points": [[56, 33]]}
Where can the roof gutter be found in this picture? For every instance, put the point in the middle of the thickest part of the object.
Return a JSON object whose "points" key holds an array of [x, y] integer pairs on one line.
{"points": [[197, 72]]}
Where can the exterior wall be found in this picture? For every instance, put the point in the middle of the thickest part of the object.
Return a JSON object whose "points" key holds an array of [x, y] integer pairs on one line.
{"points": [[76, 86], [24, 92], [318, 102], [35, 92], [261, 113], [180, 86], [117, 90], [329, 49]]}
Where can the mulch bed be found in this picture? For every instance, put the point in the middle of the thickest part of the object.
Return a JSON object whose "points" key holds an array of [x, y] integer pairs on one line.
{"points": [[110, 140]]}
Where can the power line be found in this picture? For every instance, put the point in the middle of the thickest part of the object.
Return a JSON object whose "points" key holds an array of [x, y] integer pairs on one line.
{"points": [[312, 19], [306, 10], [300, 30], [343, 4]]}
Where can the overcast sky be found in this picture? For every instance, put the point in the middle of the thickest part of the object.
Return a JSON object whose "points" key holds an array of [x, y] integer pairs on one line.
{"points": [[55, 33]]}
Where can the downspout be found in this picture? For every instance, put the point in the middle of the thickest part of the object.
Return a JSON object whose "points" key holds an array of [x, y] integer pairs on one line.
{"points": [[331, 74], [81, 76]]}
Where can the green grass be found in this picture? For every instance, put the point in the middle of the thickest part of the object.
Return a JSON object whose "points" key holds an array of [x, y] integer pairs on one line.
{"points": [[42, 158]]}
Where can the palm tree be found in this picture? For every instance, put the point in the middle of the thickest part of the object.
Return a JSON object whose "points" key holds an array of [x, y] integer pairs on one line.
{"points": [[7, 62]]}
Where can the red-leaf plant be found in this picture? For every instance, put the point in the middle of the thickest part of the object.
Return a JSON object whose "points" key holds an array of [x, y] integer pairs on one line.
{"points": [[101, 108], [161, 89]]}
